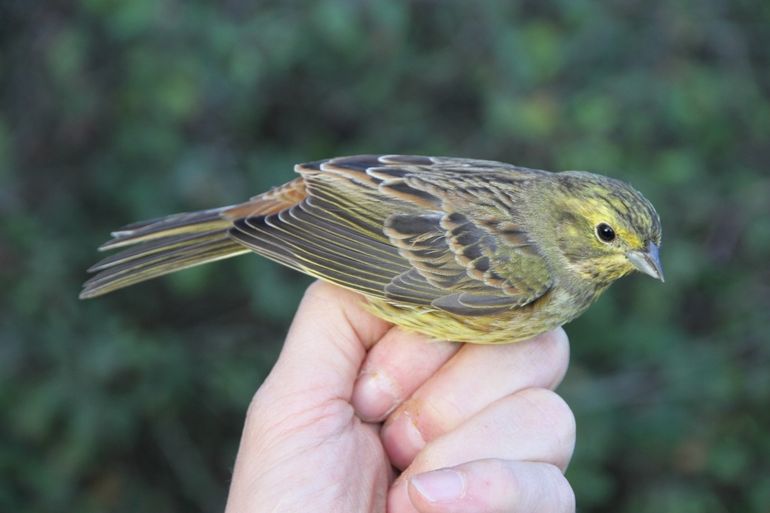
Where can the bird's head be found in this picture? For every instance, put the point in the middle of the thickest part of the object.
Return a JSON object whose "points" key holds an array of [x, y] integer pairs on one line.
{"points": [[605, 228]]}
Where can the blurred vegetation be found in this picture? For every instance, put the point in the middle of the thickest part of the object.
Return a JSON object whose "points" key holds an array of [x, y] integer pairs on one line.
{"points": [[115, 111]]}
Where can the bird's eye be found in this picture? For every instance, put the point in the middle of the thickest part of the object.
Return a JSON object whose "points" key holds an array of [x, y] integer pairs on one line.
{"points": [[605, 232]]}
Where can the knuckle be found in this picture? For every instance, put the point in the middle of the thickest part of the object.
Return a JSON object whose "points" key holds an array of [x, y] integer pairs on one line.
{"points": [[560, 493], [437, 414], [555, 352], [541, 486], [255, 411], [564, 495], [556, 413], [315, 289], [554, 408], [510, 480]]}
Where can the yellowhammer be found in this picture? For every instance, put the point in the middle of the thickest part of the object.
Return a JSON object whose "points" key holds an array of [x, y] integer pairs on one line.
{"points": [[457, 249]]}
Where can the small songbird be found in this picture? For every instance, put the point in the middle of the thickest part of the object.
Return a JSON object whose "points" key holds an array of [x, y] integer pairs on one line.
{"points": [[456, 249]]}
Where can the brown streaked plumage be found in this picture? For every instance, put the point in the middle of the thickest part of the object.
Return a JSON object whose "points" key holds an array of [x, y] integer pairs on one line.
{"points": [[458, 249]]}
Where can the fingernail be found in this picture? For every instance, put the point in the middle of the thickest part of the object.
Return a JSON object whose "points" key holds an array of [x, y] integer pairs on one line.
{"points": [[411, 432], [444, 485], [374, 396], [402, 439]]}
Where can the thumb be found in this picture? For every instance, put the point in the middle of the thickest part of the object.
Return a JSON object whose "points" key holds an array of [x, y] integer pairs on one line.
{"points": [[326, 343]]}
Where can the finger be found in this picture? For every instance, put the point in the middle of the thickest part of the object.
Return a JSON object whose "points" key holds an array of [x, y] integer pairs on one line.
{"points": [[492, 486], [532, 425], [394, 368], [475, 377], [326, 344]]}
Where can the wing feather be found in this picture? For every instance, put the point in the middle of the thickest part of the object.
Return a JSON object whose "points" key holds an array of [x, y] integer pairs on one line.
{"points": [[413, 230], [261, 235]]}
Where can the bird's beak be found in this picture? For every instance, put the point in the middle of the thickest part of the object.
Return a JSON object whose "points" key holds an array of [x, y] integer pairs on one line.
{"points": [[647, 261]]}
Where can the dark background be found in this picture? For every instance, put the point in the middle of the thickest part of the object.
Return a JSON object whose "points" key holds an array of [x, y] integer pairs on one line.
{"points": [[114, 111]]}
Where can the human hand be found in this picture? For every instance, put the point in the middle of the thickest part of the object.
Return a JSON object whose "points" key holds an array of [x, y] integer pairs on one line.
{"points": [[351, 399]]}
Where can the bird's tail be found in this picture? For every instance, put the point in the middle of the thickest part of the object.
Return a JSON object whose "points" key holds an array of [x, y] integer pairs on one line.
{"points": [[161, 246]]}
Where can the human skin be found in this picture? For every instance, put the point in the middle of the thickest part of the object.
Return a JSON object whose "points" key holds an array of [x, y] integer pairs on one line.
{"points": [[359, 416]]}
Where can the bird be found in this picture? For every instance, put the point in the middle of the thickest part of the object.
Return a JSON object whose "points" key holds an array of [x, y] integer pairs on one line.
{"points": [[456, 249]]}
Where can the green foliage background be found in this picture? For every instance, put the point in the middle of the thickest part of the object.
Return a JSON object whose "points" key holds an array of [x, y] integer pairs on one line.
{"points": [[114, 111]]}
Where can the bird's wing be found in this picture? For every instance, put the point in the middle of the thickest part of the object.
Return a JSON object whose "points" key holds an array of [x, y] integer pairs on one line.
{"points": [[400, 228]]}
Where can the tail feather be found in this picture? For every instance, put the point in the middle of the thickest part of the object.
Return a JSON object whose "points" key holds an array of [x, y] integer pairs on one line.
{"points": [[176, 224], [161, 247], [156, 246]]}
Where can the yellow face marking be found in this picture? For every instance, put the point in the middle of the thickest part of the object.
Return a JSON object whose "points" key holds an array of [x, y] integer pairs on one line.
{"points": [[598, 211]]}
